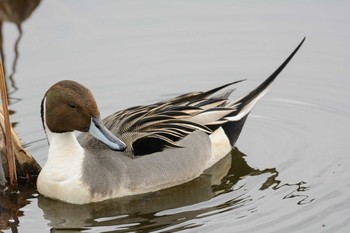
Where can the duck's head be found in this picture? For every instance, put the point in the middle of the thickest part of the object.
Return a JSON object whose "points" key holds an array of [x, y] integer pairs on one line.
{"points": [[69, 106]]}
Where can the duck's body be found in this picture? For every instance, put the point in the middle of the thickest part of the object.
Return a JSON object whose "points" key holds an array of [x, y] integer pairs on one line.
{"points": [[142, 149]]}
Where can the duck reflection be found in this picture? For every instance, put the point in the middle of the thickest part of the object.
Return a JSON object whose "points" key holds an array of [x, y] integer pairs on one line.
{"points": [[16, 12], [154, 210]]}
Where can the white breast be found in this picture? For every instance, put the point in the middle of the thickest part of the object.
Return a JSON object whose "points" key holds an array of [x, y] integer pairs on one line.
{"points": [[60, 177]]}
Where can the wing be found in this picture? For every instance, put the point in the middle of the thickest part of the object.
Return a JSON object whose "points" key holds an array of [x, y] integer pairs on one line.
{"points": [[152, 128]]}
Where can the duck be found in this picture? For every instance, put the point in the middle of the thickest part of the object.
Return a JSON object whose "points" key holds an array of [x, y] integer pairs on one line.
{"points": [[141, 149]]}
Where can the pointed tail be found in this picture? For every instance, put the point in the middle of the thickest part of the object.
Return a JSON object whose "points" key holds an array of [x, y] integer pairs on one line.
{"points": [[245, 104], [237, 118]]}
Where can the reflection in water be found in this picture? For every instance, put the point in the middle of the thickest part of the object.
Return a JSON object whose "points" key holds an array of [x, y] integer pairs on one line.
{"points": [[10, 205], [170, 207], [14, 11], [296, 193]]}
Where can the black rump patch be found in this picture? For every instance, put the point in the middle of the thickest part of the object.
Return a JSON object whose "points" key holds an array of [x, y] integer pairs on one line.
{"points": [[233, 129]]}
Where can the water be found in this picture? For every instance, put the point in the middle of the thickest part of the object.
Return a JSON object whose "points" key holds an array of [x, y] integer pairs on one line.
{"points": [[290, 170]]}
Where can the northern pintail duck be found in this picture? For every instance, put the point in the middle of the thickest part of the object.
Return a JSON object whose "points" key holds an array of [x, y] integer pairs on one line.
{"points": [[140, 149]]}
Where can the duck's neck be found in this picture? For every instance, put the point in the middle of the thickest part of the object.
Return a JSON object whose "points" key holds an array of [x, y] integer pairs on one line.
{"points": [[63, 141], [64, 145]]}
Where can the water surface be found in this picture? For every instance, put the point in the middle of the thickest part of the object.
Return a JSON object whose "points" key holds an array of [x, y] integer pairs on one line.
{"points": [[290, 170]]}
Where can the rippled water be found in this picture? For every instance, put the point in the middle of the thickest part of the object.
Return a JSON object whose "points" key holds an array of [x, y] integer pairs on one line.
{"points": [[290, 170]]}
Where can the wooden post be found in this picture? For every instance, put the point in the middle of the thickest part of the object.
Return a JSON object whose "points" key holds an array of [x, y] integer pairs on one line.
{"points": [[8, 136]]}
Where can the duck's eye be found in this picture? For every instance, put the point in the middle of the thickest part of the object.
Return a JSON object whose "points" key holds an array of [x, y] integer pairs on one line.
{"points": [[71, 105]]}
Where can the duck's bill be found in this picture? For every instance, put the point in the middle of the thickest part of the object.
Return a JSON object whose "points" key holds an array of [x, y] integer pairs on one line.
{"points": [[101, 133]]}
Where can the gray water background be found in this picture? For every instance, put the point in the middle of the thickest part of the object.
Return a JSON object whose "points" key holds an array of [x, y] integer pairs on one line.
{"points": [[295, 173]]}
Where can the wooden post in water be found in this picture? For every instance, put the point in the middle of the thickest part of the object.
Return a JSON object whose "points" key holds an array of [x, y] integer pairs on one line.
{"points": [[8, 136]]}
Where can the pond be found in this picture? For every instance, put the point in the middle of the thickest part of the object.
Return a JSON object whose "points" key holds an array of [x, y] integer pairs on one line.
{"points": [[289, 171]]}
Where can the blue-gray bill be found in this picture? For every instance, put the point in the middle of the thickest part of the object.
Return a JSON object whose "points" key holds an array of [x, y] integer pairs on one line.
{"points": [[101, 133]]}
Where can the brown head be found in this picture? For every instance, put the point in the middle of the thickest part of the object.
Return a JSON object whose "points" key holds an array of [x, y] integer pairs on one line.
{"points": [[69, 106]]}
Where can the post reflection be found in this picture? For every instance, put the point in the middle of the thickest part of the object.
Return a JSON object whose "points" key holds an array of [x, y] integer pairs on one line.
{"points": [[15, 12], [11, 204]]}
